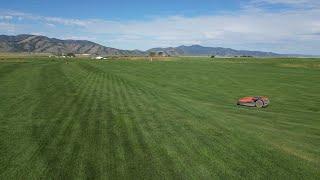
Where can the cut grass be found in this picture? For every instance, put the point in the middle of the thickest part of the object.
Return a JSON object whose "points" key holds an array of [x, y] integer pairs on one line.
{"points": [[175, 119]]}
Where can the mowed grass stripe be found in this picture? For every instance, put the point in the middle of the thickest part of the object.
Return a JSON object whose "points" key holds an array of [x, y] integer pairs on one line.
{"points": [[86, 132], [215, 112], [249, 116], [59, 121], [141, 111], [169, 132], [124, 119], [140, 151], [169, 164], [16, 103], [74, 163], [71, 132]]}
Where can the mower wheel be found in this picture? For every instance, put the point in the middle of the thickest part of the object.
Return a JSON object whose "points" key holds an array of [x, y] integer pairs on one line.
{"points": [[259, 103]]}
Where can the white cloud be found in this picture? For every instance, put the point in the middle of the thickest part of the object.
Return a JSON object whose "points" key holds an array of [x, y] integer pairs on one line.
{"points": [[50, 25], [239, 31], [284, 1], [293, 3], [48, 20], [89, 38], [63, 21], [7, 27], [38, 33], [294, 30], [6, 17]]}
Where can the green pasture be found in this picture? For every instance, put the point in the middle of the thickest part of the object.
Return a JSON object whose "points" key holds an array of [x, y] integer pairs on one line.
{"points": [[173, 119]]}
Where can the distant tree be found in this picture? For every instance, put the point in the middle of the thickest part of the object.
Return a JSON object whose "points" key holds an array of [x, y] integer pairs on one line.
{"points": [[160, 53], [58, 54], [213, 56], [151, 55], [71, 55]]}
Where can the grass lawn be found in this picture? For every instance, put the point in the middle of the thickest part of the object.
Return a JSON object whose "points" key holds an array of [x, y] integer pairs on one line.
{"points": [[159, 120]]}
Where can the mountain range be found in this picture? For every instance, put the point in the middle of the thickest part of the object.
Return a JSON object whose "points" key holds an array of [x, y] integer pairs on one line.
{"points": [[197, 50], [43, 44]]}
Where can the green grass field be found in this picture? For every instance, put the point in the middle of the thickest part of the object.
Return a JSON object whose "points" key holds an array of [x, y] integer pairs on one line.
{"points": [[159, 120]]}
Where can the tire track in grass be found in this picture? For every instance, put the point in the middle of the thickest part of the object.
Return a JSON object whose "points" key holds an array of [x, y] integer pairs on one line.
{"points": [[47, 137], [125, 151], [197, 132], [110, 138], [51, 138], [141, 151], [126, 144], [114, 165], [80, 105], [40, 130], [190, 109], [125, 148], [95, 127], [136, 105], [110, 112], [14, 94], [147, 116], [172, 152], [72, 160], [23, 154], [209, 142], [86, 168], [178, 132], [100, 126], [67, 146], [228, 161], [9, 68], [93, 164], [170, 128], [15, 111], [145, 155], [258, 152], [137, 163]]}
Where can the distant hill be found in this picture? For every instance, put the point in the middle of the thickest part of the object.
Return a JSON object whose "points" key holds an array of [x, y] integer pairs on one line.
{"points": [[42, 44], [197, 50]]}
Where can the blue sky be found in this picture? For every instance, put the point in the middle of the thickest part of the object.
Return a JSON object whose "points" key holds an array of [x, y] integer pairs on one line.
{"points": [[284, 26], [120, 9]]}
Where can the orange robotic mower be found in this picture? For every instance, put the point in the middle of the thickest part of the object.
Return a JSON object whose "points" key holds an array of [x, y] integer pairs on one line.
{"points": [[255, 101]]}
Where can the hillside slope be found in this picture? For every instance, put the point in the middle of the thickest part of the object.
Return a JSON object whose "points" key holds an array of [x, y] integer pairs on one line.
{"points": [[42, 44], [197, 50]]}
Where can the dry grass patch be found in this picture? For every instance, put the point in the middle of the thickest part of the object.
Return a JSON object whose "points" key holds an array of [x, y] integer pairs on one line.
{"points": [[305, 65]]}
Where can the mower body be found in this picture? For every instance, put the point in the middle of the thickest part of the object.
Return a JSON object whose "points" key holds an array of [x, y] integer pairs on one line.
{"points": [[254, 101]]}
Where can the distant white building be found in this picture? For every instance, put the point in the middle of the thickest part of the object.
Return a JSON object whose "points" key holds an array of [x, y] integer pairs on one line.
{"points": [[100, 58]]}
